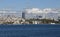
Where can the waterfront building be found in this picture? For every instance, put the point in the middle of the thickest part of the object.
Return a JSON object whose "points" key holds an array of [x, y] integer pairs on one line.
{"points": [[39, 17]]}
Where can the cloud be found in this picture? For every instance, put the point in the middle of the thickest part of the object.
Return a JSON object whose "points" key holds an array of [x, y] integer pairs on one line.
{"points": [[7, 10], [37, 10], [34, 10], [47, 10]]}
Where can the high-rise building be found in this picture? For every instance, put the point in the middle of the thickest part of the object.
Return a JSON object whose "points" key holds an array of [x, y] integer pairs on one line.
{"points": [[23, 14], [59, 18]]}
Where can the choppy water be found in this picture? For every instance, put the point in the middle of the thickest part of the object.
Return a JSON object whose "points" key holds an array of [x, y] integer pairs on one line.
{"points": [[29, 30]]}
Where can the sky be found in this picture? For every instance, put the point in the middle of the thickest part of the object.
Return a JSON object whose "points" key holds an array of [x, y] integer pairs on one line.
{"points": [[22, 4]]}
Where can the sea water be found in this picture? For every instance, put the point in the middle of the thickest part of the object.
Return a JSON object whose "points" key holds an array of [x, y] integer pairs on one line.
{"points": [[31, 30]]}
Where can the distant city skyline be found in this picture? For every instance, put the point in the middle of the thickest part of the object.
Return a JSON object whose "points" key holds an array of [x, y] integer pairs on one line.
{"points": [[21, 4], [48, 13]]}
